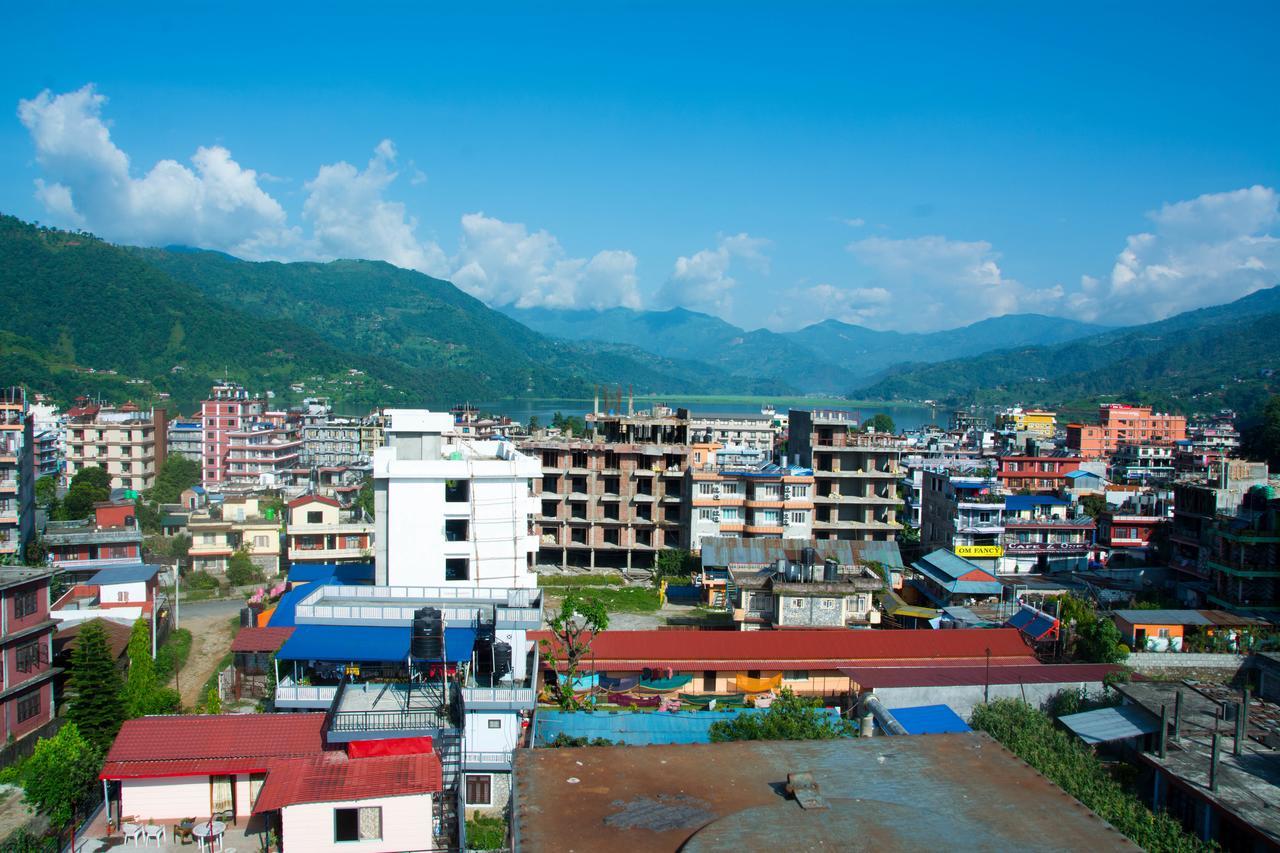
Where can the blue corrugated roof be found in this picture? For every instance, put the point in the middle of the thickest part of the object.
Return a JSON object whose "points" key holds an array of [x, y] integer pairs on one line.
{"points": [[344, 573], [1111, 724], [124, 574], [1017, 503], [929, 720], [340, 643], [1080, 472], [635, 728]]}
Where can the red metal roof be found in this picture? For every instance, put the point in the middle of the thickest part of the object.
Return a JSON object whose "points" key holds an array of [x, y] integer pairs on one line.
{"points": [[195, 745], [958, 676], [713, 650], [306, 499], [252, 639], [334, 777]]}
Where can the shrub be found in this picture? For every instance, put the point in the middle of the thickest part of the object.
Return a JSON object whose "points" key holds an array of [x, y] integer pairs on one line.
{"points": [[485, 832], [201, 580]]}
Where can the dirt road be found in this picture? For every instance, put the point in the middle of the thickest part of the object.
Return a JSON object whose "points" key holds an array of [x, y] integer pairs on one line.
{"points": [[210, 625]]}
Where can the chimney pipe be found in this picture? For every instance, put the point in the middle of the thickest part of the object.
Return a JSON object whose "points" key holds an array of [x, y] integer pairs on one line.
{"points": [[1177, 717], [1213, 765], [1238, 747], [1164, 729]]}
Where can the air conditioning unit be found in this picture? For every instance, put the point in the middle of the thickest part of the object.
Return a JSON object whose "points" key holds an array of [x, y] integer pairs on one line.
{"points": [[786, 493], [715, 516]]}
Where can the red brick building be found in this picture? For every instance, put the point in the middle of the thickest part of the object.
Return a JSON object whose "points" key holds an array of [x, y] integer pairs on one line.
{"points": [[26, 642], [229, 409], [1119, 424], [1036, 473]]}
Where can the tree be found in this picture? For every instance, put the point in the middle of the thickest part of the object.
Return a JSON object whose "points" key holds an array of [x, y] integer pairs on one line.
{"points": [[241, 569], [96, 705], [88, 487], [673, 563], [148, 515], [579, 620], [60, 773], [176, 475], [1098, 641], [534, 423], [364, 499], [94, 475], [212, 701], [46, 490], [790, 717], [1093, 505], [142, 691], [882, 423]]}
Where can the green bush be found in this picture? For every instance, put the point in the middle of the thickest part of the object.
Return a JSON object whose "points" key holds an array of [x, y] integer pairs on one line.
{"points": [[790, 717], [241, 570], [1030, 735], [485, 832], [200, 580], [172, 655]]}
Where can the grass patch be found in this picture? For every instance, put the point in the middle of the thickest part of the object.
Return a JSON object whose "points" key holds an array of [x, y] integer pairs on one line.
{"points": [[632, 599], [172, 656], [552, 581], [199, 594], [486, 832]]}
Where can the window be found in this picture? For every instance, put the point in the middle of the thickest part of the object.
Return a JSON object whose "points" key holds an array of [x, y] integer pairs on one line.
{"points": [[455, 530], [705, 514], [706, 488], [799, 491], [122, 596], [27, 657], [456, 569], [495, 723], [315, 517], [796, 675], [28, 706], [24, 604], [731, 513], [479, 790], [363, 824], [799, 517], [459, 491]]}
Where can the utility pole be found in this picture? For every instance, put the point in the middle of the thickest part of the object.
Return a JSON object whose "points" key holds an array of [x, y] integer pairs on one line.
{"points": [[986, 687]]}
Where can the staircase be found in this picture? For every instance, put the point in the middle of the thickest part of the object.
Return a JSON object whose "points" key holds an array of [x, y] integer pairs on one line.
{"points": [[449, 832], [730, 592]]}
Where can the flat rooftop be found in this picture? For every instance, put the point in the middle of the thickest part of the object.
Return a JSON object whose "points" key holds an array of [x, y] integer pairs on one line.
{"points": [[905, 793], [1248, 784]]}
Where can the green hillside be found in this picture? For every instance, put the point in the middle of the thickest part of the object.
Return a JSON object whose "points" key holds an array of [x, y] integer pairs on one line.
{"points": [[462, 348], [85, 316], [1223, 355]]}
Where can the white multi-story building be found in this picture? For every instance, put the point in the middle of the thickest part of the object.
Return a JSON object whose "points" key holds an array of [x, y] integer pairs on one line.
{"points": [[449, 509]]}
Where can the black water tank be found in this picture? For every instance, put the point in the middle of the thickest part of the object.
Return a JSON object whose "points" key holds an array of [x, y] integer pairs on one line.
{"points": [[501, 659], [427, 642], [830, 571], [484, 655]]}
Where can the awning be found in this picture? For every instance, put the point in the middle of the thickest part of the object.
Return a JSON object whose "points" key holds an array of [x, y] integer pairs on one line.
{"points": [[358, 643], [1111, 724]]}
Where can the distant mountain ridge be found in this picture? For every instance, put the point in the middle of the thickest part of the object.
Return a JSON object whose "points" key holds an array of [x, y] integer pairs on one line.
{"points": [[1223, 353], [826, 357]]}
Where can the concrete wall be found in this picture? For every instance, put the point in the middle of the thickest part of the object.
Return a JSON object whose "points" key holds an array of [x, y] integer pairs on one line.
{"points": [[481, 738], [963, 699], [1144, 661], [406, 825], [174, 798]]}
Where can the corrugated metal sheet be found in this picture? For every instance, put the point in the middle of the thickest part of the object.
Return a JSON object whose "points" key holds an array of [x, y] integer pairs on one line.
{"points": [[722, 551], [1034, 672], [929, 720], [1111, 724]]}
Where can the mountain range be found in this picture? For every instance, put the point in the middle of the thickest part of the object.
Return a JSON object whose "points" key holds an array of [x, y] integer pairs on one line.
{"points": [[86, 316], [828, 357]]}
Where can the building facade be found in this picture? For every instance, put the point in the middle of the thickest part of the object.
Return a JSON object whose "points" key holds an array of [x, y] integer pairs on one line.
{"points": [[1042, 473], [229, 409], [1123, 424], [261, 455], [186, 439], [17, 472], [855, 476], [452, 511], [732, 492], [321, 531], [130, 443], [26, 643]]}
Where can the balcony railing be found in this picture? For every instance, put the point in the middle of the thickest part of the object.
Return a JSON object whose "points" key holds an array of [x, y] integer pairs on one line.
{"points": [[308, 696], [486, 760], [479, 696]]}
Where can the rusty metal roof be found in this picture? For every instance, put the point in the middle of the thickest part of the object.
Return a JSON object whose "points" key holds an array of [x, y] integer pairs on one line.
{"points": [[906, 793], [726, 551]]}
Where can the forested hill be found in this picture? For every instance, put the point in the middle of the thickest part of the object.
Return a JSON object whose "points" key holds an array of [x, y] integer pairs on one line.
{"points": [[86, 316], [1225, 354], [82, 315]]}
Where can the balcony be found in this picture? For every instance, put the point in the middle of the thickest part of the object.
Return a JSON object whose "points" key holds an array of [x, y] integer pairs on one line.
{"points": [[497, 698], [1239, 569], [472, 761], [386, 710], [291, 695]]}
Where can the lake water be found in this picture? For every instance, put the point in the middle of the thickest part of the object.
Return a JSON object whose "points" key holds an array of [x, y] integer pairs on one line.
{"points": [[905, 417]]}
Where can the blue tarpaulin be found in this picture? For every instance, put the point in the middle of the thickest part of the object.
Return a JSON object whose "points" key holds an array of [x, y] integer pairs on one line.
{"points": [[929, 720], [343, 573], [342, 643]]}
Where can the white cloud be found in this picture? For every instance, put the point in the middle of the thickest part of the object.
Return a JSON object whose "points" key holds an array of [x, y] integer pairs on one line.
{"points": [[855, 222], [503, 263], [933, 283], [1205, 251], [217, 204], [703, 281], [350, 216]]}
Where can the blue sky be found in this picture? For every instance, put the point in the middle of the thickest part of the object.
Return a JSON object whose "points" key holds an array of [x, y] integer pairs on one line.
{"points": [[907, 166]]}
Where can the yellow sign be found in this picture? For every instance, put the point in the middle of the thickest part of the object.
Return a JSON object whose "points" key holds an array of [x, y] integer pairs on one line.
{"points": [[979, 551]]}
